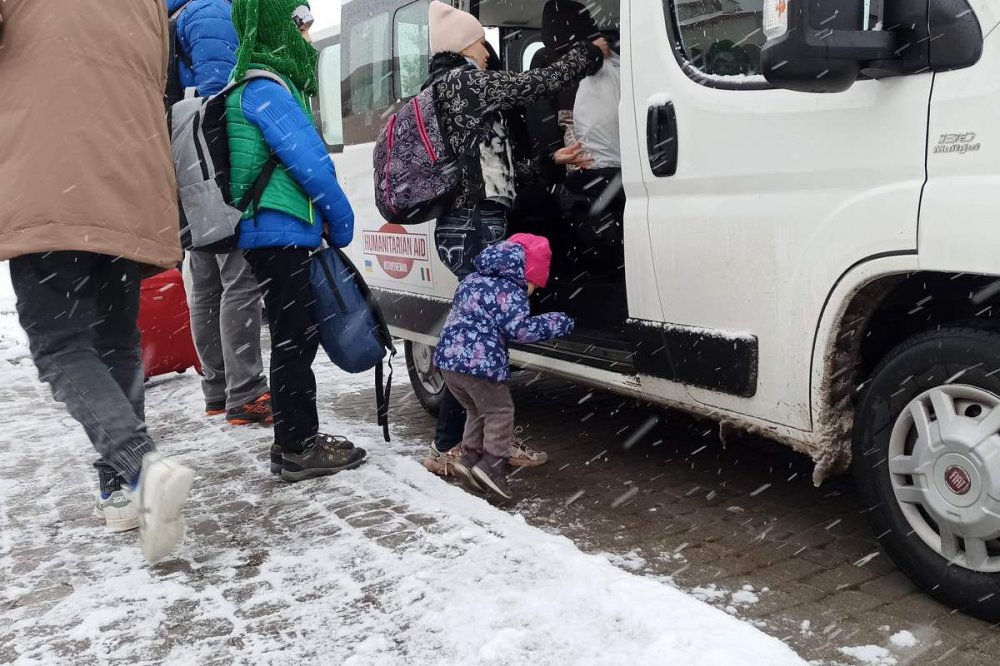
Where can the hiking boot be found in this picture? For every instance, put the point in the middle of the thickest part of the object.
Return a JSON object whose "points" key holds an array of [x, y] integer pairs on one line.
{"points": [[118, 511], [321, 458], [443, 463], [491, 474], [215, 408], [336, 441], [522, 455], [463, 466], [162, 491], [256, 411]]}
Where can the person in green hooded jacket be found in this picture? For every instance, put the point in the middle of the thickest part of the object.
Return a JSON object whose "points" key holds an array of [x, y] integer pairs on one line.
{"points": [[301, 203]]}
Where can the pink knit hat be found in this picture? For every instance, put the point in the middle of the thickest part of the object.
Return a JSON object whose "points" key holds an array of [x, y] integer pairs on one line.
{"points": [[537, 258], [452, 29]]}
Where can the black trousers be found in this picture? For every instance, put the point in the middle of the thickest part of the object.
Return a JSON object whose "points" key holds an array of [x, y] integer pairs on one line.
{"points": [[283, 275]]}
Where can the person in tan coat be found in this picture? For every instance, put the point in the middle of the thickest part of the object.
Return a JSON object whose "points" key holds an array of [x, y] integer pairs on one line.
{"points": [[89, 208]]}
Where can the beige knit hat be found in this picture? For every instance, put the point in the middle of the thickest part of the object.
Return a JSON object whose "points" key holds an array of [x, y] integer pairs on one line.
{"points": [[452, 29]]}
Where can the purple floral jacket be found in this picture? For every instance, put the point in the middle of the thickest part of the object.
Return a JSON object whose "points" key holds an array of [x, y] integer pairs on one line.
{"points": [[491, 311]]}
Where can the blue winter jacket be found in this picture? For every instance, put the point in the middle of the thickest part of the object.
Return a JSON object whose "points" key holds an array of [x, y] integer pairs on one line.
{"points": [[490, 311], [290, 134], [208, 40]]}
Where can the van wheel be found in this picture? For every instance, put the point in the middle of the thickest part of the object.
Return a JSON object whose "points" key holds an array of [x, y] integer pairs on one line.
{"points": [[427, 381], [927, 460]]}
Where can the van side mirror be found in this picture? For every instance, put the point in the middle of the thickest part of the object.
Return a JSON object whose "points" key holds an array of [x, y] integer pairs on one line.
{"points": [[823, 46]]}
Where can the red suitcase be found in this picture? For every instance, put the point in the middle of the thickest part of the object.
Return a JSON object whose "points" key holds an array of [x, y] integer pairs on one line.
{"points": [[165, 325]]}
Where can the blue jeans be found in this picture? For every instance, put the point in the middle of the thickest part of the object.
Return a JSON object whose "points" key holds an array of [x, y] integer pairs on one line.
{"points": [[460, 236], [79, 310]]}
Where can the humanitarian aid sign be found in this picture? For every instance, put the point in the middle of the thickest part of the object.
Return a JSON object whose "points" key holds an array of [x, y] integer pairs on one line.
{"points": [[396, 251]]}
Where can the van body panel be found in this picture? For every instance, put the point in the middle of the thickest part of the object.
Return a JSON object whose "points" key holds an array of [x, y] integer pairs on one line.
{"points": [[765, 213], [961, 209]]}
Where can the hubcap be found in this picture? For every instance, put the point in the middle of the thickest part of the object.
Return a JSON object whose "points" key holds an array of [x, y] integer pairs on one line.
{"points": [[423, 362], [944, 463]]}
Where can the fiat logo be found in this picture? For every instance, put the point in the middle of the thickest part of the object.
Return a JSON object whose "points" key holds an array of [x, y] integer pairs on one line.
{"points": [[958, 480]]}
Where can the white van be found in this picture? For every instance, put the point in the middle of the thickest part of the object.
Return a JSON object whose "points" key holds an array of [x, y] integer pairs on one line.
{"points": [[818, 268]]}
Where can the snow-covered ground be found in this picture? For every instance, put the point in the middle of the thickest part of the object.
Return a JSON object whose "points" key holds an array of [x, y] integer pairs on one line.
{"points": [[383, 565]]}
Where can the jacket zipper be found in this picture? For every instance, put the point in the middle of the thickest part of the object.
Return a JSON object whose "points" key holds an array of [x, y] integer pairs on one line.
{"points": [[391, 131], [423, 132]]}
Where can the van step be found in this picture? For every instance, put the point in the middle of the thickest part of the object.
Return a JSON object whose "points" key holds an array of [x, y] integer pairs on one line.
{"points": [[605, 349]]}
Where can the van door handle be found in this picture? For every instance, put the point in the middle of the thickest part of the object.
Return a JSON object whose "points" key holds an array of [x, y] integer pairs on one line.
{"points": [[661, 139]]}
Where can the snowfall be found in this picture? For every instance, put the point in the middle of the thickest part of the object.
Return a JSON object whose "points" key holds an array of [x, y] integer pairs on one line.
{"points": [[386, 564]]}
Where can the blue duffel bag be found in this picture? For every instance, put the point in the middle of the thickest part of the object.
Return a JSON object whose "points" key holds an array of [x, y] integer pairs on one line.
{"points": [[351, 327]]}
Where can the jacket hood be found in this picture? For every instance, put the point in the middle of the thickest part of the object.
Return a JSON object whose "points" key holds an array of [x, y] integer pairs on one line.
{"points": [[503, 260]]}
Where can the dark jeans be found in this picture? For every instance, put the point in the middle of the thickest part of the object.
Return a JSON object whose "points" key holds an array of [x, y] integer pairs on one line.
{"points": [[283, 275], [461, 236], [465, 232], [79, 310]]}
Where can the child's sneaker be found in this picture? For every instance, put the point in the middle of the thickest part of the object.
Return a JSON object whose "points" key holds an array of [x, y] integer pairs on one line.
{"points": [[118, 511], [491, 474], [443, 463], [215, 408], [162, 491], [336, 441], [324, 456], [463, 465], [255, 411], [522, 455]]}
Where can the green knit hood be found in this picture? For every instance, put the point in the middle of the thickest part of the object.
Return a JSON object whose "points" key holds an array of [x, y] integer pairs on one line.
{"points": [[269, 38]]}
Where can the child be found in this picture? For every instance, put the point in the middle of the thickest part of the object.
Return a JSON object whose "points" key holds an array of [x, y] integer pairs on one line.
{"points": [[489, 312]]}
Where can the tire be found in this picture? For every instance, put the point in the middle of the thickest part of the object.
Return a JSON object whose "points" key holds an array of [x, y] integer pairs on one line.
{"points": [[426, 380], [932, 505]]}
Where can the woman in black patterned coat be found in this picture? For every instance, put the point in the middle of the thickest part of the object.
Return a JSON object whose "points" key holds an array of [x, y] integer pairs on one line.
{"points": [[471, 102]]}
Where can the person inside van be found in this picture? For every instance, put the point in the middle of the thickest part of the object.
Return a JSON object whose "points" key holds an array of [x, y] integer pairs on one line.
{"points": [[301, 202], [471, 100], [595, 111]]}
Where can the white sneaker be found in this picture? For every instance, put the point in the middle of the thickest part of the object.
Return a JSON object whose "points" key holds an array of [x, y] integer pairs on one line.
{"points": [[118, 512], [163, 489]]}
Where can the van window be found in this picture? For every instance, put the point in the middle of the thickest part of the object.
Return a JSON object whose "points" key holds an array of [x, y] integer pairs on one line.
{"points": [[412, 48], [331, 113], [719, 37], [369, 62]]}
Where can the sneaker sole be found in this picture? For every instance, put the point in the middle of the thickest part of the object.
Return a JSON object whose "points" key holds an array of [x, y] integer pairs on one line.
{"points": [[117, 525], [215, 412], [487, 483], [467, 477], [315, 473], [527, 462], [165, 512], [242, 422], [123, 525]]}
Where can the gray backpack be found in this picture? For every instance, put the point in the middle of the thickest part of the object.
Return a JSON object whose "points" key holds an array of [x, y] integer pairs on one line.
{"points": [[199, 142]]}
